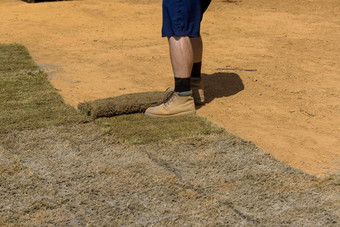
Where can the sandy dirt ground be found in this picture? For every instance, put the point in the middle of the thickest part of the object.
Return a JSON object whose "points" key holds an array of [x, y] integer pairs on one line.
{"points": [[272, 67]]}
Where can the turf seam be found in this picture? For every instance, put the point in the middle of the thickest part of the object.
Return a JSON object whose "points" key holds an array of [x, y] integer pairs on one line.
{"points": [[163, 164]]}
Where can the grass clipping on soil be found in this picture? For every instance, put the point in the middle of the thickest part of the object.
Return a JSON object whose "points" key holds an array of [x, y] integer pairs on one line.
{"points": [[124, 104]]}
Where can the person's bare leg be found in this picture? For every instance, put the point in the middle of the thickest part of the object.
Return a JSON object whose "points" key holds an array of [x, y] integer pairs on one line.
{"points": [[181, 55], [197, 46]]}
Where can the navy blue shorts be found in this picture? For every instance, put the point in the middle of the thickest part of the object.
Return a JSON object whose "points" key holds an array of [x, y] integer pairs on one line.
{"points": [[183, 17]]}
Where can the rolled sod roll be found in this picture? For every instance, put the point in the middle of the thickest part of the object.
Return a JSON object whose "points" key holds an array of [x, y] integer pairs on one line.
{"points": [[124, 104]]}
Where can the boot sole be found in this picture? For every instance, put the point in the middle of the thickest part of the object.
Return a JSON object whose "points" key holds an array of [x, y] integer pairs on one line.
{"points": [[198, 95], [192, 112]]}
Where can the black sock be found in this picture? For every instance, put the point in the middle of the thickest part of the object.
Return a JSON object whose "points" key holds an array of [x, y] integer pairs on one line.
{"points": [[196, 70], [182, 84]]}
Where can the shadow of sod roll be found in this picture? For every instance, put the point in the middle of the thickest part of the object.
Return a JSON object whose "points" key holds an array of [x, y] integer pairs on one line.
{"points": [[124, 104]]}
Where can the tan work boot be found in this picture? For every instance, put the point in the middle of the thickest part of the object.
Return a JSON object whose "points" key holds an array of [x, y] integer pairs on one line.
{"points": [[197, 90], [175, 104]]}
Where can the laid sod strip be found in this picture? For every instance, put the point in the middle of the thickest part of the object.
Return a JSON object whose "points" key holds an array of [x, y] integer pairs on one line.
{"points": [[15, 60], [139, 129], [27, 99], [73, 175], [124, 104]]}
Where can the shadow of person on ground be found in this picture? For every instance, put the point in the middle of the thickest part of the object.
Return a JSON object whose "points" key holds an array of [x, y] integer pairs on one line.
{"points": [[221, 84]]}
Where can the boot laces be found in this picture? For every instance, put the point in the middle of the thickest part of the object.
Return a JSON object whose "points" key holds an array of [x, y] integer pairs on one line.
{"points": [[169, 98]]}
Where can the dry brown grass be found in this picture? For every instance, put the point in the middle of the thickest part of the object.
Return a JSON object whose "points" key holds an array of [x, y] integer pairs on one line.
{"points": [[78, 175]]}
